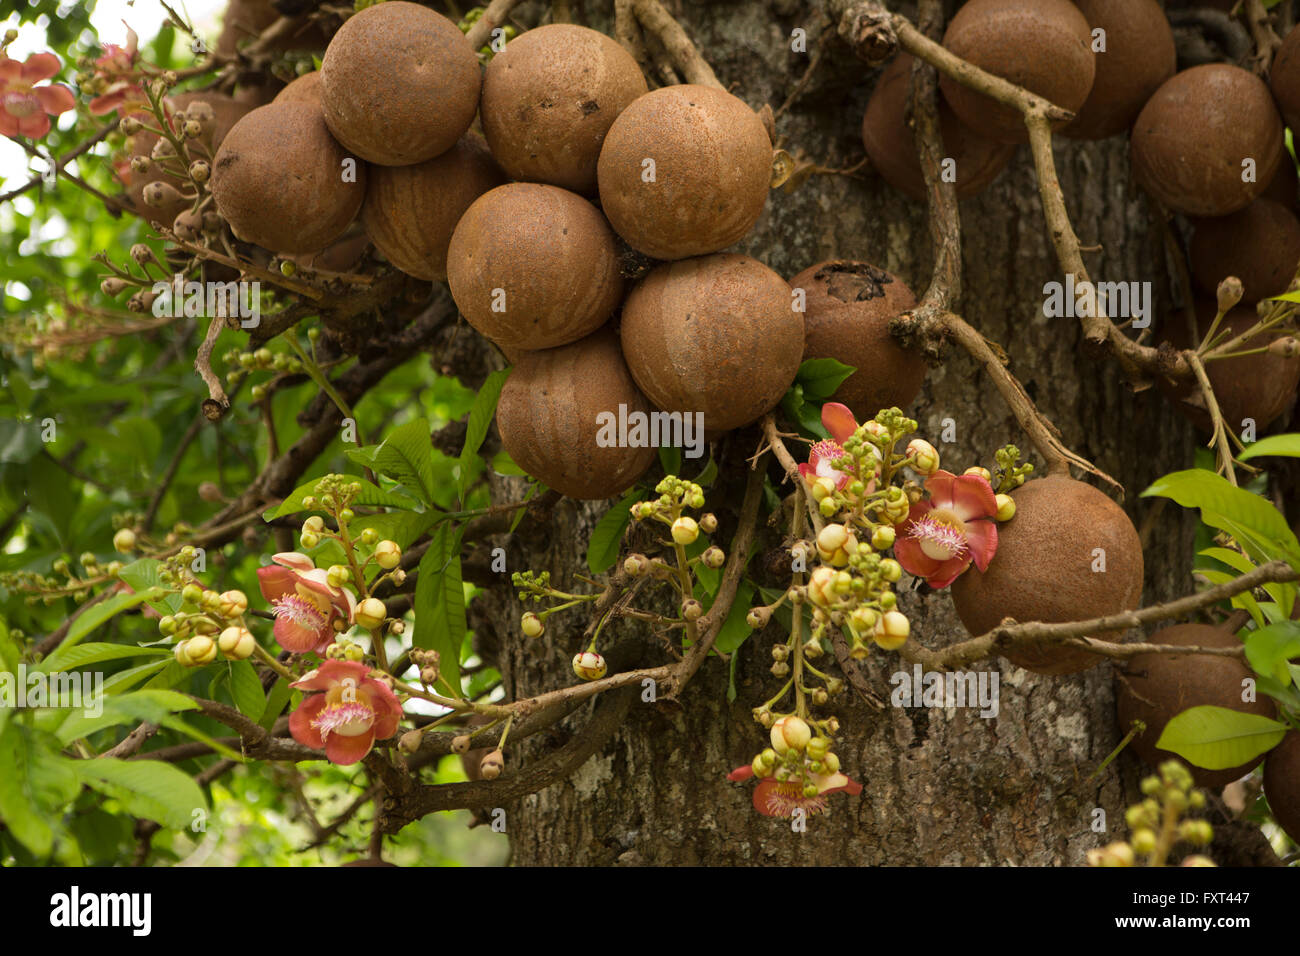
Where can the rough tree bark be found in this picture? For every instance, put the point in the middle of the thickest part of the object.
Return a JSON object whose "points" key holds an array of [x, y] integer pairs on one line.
{"points": [[940, 787]]}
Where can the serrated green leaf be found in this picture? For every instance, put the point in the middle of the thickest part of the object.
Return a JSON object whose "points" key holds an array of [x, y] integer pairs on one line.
{"points": [[607, 536], [149, 789], [1217, 738]]}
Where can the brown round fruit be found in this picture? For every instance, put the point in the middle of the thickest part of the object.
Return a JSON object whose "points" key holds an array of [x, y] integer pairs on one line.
{"points": [[1254, 387], [847, 310], [305, 89], [548, 417], [1192, 140], [1139, 56], [1042, 45], [684, 171], [278, 180], [892, 149], [1285, 79], [550, 97], [226, 112], [716, 335], [1260, 245], [411, 211], [1154, 688], [1282, 783], [533, 266], [399, 84], [1044, 569]]}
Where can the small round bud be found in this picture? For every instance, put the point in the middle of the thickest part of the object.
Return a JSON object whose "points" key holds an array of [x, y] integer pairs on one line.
{"points": [[883, 537], [314, 523], [210, 492], [159, 193], [113, 286], [410, 741], [490, 767], [182, 658], [685, 530], [1143, 841], [388, 554], [200, 171], [371, 613], [1287, 347], [124, 541], [191, 593], [230, 638], [428, 674], [713, 557], [780, 669], [692, 610], [370, 537], [460, 744], [531, 625], [1006, 507], [790, 733], [201, 650], [709, 523], [891, 570], [589, 665], [1229, 293], [309, 539], [981, 472], [338, 575], [925, 458], [821, 586], [353, 652], [232, 604], [635, 565], [758, 617], [892, 630], [1198, 860]]}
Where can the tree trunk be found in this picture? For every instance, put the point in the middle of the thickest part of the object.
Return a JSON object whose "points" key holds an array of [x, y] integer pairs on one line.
{"points": [[940, 787]]}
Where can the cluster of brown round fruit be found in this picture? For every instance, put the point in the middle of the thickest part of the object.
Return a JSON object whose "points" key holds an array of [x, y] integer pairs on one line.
{"points": [[1207, 142]]}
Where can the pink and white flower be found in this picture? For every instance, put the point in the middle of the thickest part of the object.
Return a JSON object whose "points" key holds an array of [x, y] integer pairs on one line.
{"points": [[841, 424], [304, 603], [349, 712], [780, 798], [25, 108], [949, 528], [121, 90]]}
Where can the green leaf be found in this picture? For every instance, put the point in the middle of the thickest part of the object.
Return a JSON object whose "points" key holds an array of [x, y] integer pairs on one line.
{"points": [[1218, 738], [142, 576], [246, 689], [66, 658], [1244, 600], [146, 788], [709, 475], [820, 377], [406, 456], [20, 810], [155, 706], [1269, 649], [807, 415], [503, 464], [735, 629], [275, 701], [670, 459], [1246, 516], [607, 536], [370, 495], [1282, 445], [440, 622], [480, 417]]}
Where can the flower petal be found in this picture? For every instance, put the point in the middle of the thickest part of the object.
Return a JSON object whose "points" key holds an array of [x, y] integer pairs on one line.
{"points": [[333, 672], [939, 487], [914, 561], [294, 636], [292, 559], [982, 536], [10, 69], [972, 498], [40, 66], [343, 750], [275, 582], [106, 103], [34, 126], [388, 711], [300, 721], [741, 773], [839, 421], [55, 98], [836, 782], [948, 571]]}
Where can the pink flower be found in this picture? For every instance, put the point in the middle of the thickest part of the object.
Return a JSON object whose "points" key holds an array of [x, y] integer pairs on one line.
{"points": [[776, 798], [25, 108], [949, 528], [121, 89], [304, 604], [352, 711], [841, 424]]}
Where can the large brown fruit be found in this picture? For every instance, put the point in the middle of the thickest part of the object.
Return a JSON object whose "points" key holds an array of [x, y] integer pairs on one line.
{"points": [[1042, 45], [1255, 387], [1282, 783], [399, 84], [533, 266], [684, 171], [715, 335], [411, 211], [226, 112], [550, 97], [1285, 79], [547, 417], [278, 180], [847, 310], [305, 89], [1285, 185], [1192, 138], [1260, 245], [892, 149], [1044, 569], [1155, 688], [1139, 56]]}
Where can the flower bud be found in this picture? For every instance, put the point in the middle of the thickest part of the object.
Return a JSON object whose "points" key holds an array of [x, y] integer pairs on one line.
{"points": [[713, 557], [708, 523], [589, 665], [1198, 832], [338, 575], [981, 472], [113, 286], [790, 733], [308, 539], [925, 458], [883, 537], [692, 609], [429, 674], [1229, 293], [124, 541], [1006, 507], [635, 565], [828, 508], [410, 741], [818, 748], [399, 577], [232, 603], [182, 657], [760, 768], [780, 669], [891, 570], [1114, 854], [758, 617], [191, 593], [892, 630], [460, 744], [388, 555], [371, 613], [685, 530], [835, 544], [230, 638], [1143, 841], [1198, 860], [490, 767], [158, 194], [1287, 347], [314, 524], [200, 171], [353, 652], [821, 584], [863, 620], [201, 650], [531, 625]]}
